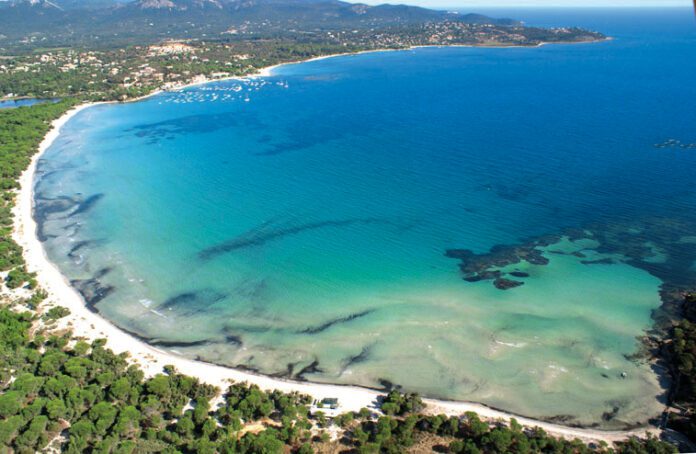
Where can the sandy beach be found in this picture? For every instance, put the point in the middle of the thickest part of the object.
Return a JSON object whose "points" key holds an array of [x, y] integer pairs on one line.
{"points": [[89, 325]]}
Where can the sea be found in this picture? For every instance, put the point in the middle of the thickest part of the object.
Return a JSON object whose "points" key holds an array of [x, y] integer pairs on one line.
{"points": [[498, 225]]}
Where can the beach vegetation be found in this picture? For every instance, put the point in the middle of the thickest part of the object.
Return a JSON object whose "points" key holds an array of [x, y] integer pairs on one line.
{"points": [[682, 347], [19, 277], [57, 384], [400, 404], [56, 312], [21, 131]]}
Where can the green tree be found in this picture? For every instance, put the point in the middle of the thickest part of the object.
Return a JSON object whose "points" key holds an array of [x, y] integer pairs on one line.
{"points": [[10, 403]]}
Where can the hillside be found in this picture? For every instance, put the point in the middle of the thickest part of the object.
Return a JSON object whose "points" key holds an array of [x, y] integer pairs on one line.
{"points": [[26, 24]]}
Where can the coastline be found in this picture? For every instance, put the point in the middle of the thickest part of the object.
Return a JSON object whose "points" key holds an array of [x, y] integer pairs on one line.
{"points": [[87, 324], [268, 70]]}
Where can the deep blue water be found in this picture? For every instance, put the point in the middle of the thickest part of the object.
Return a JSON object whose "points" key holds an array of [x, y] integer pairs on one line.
{"points": [[298, 224]]}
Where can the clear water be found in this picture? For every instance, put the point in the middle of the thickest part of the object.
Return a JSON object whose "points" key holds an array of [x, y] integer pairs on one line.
{"points": [[297, 225]]}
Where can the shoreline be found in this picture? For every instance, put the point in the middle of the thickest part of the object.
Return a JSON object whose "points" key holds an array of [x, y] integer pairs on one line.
{"points": [[87, 324], [267, 71]]}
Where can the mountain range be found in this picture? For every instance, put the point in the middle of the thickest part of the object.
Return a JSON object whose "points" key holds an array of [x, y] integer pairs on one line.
{"points": [[103, 21]]}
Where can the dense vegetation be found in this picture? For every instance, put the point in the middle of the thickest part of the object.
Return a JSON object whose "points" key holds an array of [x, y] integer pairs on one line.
{"points": [[683, 352], [136, 71], [20, 132], [81, 397], [88, 51], [53, 385], [130, 71]]}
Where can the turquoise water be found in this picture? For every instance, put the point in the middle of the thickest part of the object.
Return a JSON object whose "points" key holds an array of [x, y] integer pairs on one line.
{"points": [[299, 225]]}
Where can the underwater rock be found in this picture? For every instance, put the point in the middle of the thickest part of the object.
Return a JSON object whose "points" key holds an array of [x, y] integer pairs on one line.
{"points": [[92, 289], [605, 261], [79, 245], [267, 232], [312, 368], [609, 415], [560, 419], [535, 257], [192, 124], [177, 344], [287, 373], [478, 267], [388, 385], [86, 205], [189, 303], [473, 278], [674, 143], [231, 339], [505, 284], [359, 358], [248, 368], [633, 243], [45, 207], [330, 323]]}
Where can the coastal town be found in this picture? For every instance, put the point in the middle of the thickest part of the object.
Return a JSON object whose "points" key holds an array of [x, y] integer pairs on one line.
{"points": [[137, 70]]}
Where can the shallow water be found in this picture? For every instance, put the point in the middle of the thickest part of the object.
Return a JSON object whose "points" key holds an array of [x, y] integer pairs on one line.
{"points": [[298, 224]]}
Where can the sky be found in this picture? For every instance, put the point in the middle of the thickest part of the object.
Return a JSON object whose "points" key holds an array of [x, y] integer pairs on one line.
{"points": [[538, 3]]}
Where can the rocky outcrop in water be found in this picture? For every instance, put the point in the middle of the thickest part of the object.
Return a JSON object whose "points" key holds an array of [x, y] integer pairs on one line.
{"points": [[663, 247], [93, 290], [192, 302], [505, 284], [674, 143], [324, 326], [486, 266], [270, 231]]}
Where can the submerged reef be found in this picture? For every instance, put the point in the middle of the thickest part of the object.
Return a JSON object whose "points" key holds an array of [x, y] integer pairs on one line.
{"points": [[92, 289], [46, 208], [269, 231], [193, 124], [192, 302], [331, 323], [486, 266], [664, 247], [674, 143]]}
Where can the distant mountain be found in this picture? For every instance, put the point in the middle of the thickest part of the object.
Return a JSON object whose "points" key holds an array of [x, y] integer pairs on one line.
{"points": [[30, 14], [180, 5], [69, 4], [90, 4], [64, 4], [32, 5], [99, 22], [308, 12]]}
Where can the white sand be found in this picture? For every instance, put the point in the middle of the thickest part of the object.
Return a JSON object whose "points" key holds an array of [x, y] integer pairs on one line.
{"points": [[87, 324]]}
